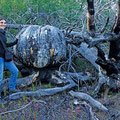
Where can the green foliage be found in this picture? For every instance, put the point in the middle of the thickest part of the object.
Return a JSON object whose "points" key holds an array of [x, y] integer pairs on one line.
{"points": [[9, 7], [24, 97], [2, 106], [20, 103], [81, 64], [33, 87], [14, 7], [48, 85], [69, 12]]}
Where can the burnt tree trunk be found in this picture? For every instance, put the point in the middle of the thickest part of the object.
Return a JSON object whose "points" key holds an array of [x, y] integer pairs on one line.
{"points": [[115, 45], [109, 66], [90, 17], [42, 47]]}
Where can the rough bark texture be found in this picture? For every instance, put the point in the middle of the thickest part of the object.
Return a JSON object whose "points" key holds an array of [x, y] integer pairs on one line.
{"points": [[44, 92], [44, 46], [115, 45], [88, 98], [40, 46], [90, 16]]}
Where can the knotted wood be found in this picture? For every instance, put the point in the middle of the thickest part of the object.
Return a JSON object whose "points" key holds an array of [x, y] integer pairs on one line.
{"points": [[40, 46]]}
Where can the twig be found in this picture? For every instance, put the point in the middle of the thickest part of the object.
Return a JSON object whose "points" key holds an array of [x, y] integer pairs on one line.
{"points": [[91, 114], [23, 107], [87, 97]]}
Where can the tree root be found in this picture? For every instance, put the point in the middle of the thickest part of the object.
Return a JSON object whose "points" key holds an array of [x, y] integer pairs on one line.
{"points": [[90, 99], [43, 92], [90, 112]]}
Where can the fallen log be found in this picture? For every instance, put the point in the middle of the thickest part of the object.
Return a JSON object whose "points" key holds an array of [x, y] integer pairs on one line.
{"points": [[46, 46]]}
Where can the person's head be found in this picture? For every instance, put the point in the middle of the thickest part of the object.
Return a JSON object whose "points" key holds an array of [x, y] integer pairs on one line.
{"points": [[2, 23]]}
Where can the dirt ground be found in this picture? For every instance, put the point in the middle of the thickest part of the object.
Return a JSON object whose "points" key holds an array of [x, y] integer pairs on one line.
{"points": [[57, 107]]}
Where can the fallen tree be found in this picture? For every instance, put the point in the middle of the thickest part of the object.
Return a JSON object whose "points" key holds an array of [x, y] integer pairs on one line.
{"points": [[46, 50], [42, 47]]}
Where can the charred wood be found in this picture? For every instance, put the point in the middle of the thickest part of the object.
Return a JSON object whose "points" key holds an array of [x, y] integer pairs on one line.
{"points": [[90, 17]]}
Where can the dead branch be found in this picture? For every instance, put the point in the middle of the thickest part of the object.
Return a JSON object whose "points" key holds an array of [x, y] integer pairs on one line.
{"points": [[103, 29], [43, 92], [104, 38], [88, 98], [79, 37], [81, 76], [115, 116], [89, 54], [115, 44], [117, 25], [102, 79], [90, 112], [17, 26], [23, 107]]}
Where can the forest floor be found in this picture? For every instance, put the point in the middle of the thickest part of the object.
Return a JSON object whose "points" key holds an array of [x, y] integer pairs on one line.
{"points": [[57, 107], [60, 106]]}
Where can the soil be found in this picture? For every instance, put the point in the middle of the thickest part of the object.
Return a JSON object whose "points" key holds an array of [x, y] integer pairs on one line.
{"points": [[58, 107]]}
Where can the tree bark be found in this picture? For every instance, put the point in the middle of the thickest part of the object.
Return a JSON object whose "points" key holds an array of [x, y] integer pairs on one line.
{"points": [[40, 46], [90, 17], [44, 92], [115, 45], [88, 98]]}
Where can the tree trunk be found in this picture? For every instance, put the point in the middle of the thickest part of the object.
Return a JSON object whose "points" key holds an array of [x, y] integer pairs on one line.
{"points": [[40, 46], [115, 45], [90, 16]]}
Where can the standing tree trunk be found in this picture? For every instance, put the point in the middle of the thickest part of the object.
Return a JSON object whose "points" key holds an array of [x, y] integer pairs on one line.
{"points": [[90, 17], [115, 45]]}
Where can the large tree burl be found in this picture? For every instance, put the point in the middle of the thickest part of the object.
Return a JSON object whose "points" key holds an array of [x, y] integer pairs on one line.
{"points": [[40, 46]]}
